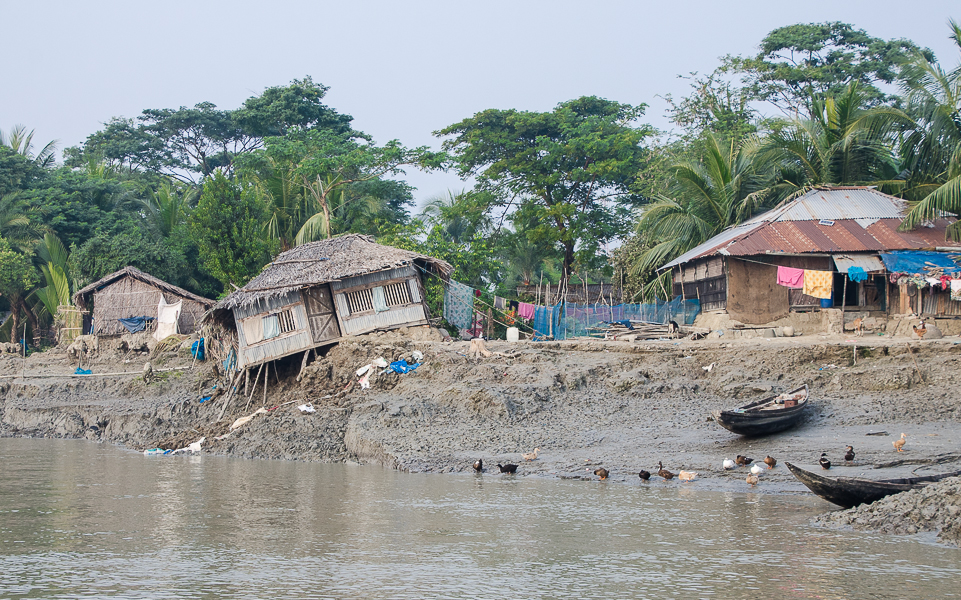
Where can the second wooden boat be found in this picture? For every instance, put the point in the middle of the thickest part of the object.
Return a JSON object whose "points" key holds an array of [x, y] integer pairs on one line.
{"points": [[852, 491]]}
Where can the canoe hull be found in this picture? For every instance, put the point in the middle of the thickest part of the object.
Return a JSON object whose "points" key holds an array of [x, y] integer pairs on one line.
{"points": [[853, 491], [749, 421]]}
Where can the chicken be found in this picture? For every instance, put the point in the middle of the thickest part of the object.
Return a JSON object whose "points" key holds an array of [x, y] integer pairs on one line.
{"points": [[899, 444], [920, 330]]}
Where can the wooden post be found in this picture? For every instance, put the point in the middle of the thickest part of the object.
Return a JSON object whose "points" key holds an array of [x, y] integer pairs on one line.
{"points": [[254, 389], [266, 381], [303, 365], [230, 393], [844, 299]]}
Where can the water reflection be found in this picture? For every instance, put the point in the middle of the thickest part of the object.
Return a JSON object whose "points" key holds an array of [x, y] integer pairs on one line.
{"points": [[79, 519]]}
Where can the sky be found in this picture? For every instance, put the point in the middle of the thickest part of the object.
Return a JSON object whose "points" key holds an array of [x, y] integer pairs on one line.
{"points": [[401, 69]]}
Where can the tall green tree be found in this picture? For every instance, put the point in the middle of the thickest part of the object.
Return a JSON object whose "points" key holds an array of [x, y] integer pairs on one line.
{"points": [[570, 170], [798, 62], [227, 226], [17, 278], [190, 143], [932, 151]]}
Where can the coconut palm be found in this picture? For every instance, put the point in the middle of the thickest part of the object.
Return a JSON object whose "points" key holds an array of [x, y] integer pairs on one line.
{"points": [[168, 207], [21, 142], [457, 215], [19, 224], [54, 259], [724, 188], [842, 142], [932, 151]]}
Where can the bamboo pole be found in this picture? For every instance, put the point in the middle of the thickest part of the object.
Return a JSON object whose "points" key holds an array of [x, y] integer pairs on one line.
{"points": [[254, 389], [55, 375], [230, 393]]}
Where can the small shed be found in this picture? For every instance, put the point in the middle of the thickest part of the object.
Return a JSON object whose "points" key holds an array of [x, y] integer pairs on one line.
{"points": [[131, 293], [319, 292]]}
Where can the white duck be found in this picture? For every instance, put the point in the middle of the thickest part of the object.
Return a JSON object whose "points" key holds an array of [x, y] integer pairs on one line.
{"points": [[728, 464], [757, 470]]}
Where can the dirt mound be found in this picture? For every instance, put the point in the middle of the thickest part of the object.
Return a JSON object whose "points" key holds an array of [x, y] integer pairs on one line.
{"points": [[935, 507]]}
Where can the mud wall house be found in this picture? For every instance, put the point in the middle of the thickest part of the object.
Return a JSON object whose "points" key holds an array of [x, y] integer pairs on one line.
{"points": [[826, 229], [320, 292], [130, 293]]}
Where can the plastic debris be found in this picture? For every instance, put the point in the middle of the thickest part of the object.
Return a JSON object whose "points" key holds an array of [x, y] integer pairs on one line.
{"points": [[363, 369], [244, 420], [417, 355], [402, 367], [193, 448], [307, 408], [80, 371], [156, 452], [380, 362], [205, 398]]}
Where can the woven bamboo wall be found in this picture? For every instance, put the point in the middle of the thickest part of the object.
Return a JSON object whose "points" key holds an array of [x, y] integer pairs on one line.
{"points": [[128, 297]]}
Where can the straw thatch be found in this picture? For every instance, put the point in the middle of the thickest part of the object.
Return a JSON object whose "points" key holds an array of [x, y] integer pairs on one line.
{"points": [[320, 262], [132, 293]]}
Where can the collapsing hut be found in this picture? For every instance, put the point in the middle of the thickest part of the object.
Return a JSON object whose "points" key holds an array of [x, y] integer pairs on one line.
{"points": [[130, 293], [317, 293]]}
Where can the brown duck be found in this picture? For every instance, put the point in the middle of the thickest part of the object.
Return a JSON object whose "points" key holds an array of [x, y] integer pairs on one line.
{"points": [[602, 473], [664, 472]]}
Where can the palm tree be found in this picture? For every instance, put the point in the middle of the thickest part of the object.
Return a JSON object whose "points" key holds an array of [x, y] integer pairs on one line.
{"points": [[54, 265], [18, 222], [724, 188], [932, 151], [458, 215], [841, 143], [168, 207], [21, 142]]}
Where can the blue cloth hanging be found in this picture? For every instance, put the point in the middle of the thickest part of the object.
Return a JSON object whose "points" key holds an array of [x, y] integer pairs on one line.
{"points": [[857, 274], [135, 324]]}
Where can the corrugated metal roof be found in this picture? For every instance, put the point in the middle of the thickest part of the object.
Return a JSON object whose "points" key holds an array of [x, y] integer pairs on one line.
{"points": [[869, 262], [848, 219]]}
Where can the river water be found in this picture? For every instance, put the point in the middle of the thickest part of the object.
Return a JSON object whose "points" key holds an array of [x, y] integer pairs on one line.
{"points": [[85, 520]]}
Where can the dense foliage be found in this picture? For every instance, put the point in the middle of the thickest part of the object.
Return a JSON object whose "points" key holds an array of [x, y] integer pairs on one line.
{"points": [[203, 197]]}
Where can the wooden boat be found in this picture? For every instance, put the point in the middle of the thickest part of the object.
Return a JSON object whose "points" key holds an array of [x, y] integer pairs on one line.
{"points": [[769, 415], [852, 491]]}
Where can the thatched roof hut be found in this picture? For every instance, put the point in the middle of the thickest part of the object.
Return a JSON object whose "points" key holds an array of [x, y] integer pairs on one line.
{"points": [[321, 291], [130, 293]]}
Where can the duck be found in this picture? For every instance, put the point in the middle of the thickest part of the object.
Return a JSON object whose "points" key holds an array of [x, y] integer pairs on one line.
{"points": [[664, 472], [507, 468], [479, 465], [644, 475], [757, 470], [686, 475], [849, 455], [824, 462], [743, 461], [602, 473], [770, 461], [752, 479], [899, 444], [728, 464], [531, 455]]}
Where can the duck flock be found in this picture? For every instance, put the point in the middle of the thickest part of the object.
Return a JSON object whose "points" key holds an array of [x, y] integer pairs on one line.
{"points": [[753, 478]]}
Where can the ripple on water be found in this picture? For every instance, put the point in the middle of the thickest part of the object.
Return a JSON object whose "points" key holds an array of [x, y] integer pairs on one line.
{"points": [[95, 521]]}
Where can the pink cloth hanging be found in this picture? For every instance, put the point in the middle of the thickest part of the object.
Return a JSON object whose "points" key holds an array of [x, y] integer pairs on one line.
{"points": [[790, 277], [525, 311]]}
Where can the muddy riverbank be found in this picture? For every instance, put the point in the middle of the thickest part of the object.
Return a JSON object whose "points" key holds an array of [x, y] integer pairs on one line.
{"points": [[624, 406]]}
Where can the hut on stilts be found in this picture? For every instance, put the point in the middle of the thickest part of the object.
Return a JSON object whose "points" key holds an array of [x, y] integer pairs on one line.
{"points": [[319, 293]]}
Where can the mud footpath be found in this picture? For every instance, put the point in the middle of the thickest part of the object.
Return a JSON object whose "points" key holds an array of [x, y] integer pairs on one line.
{"points": [[587, 404]]}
